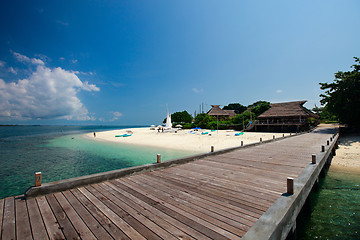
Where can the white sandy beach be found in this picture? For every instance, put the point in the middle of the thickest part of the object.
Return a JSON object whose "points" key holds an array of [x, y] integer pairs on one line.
{"points": [[348, 154], [183, 139]]}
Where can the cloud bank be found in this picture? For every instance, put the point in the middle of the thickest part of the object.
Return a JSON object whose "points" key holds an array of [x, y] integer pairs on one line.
{"points": [[48, 93]]}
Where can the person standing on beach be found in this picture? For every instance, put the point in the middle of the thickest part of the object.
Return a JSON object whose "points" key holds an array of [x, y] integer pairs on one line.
{"points": [[94, 134]]}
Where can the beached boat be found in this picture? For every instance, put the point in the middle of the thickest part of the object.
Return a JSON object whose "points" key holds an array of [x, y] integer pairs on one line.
{"points": [[123, 135]]}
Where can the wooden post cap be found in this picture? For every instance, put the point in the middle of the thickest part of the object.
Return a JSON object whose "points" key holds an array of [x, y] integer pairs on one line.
{"points": [[290, 185], [313, 159], [212, 149], [158, 158], [37, 179]]}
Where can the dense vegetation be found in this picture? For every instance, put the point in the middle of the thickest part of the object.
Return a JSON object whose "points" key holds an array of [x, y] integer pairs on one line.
{"points": [[341, 98], [243, 116]]}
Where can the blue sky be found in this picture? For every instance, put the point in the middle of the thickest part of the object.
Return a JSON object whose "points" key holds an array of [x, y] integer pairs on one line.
{"points": [[121, 62]]}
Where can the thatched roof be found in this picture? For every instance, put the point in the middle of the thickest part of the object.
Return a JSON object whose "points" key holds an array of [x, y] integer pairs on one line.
{"points": [[287, 109], [231, 113], [217, 111]]}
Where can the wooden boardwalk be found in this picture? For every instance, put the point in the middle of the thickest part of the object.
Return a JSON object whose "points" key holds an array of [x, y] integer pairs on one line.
{"points": [[217, 197]]}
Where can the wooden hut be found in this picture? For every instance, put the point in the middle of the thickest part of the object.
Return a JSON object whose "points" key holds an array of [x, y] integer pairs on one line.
{"points": [[287, 116], [221, 114]]}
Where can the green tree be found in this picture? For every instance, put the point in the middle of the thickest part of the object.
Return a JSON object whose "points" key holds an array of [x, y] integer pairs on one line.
{"points": [[180, 117], [341, 97], [235, 106], [202, 120], [260, 107]]}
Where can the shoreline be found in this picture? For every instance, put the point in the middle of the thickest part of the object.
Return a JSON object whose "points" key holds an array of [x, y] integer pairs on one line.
{"points": [[347, 155], [185, 140]]}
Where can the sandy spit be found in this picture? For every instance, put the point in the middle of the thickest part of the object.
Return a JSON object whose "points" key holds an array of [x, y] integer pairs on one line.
{"points": [[183, 139]]}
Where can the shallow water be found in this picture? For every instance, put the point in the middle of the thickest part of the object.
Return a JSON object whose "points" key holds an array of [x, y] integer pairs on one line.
{"points": [[335, 209], [59, 152]]}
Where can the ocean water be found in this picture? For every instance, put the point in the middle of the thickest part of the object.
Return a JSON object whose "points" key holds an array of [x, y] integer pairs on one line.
{"points": [[335, 209], [60, 152]]}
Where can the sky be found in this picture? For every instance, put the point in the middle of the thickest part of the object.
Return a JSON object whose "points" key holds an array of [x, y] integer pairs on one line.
{"points": [[122, 62]]}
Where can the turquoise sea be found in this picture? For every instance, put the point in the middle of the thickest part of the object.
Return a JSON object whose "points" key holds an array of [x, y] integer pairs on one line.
{"points": [[59, 152], [334, 209]]}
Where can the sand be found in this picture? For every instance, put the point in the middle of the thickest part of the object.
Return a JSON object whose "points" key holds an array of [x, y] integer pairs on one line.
{"points": [[348, 154], [183, 139]]}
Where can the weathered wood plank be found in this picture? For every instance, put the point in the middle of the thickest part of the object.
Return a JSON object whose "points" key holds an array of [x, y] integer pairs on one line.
{"points": [[86, 217], [9, 219], [37, 225], [190, 220], [23, 230], [51, 224], [233, 228], [126, 216], [105, 222], [124, 226], [1, 214], [173, 225], [136, 215], [80, 227], [196, 201]]}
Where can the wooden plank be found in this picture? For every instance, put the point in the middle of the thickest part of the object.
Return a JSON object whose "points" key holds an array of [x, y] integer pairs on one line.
{"points": [[9, 219], [37, 225], [105, 222], [203, 189], [166, 230], [198, 191], [196, 201], [1, 214], [80, 227], [192, 221], [86, 217], [124, 226], [62, 219], [233, 229], [173, 225], [23, 230], [135, 218], [126, 216], [51, 224]]}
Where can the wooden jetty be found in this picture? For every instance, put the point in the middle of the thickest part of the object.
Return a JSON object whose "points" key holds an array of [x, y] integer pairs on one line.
{"points": [[238, 194]]}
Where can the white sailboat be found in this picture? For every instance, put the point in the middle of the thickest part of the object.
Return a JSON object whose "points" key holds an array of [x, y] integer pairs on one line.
{"points": [[168, 119]]}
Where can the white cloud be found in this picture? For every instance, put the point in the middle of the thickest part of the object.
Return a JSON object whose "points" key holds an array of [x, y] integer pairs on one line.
{"points": [[12, 70], [74, 61], [279, 91], [2, 63], [196, 90], [46, 94], [62, 23], [116, 116], [25, 59], [62, 58]]}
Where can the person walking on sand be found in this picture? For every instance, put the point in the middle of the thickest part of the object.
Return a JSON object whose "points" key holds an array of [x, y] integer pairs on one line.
{"points": [[94, 134]]}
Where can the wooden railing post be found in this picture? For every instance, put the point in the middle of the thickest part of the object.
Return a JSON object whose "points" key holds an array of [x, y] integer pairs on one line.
{"points": [[212, 149], [37, 179], [242, 143], [313, 159], [322, 148], [290, 185], [158, 158]]}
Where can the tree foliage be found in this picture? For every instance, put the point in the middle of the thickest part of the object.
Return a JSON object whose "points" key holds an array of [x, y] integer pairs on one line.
{"points": [[235, 106], [180, 117], [341, 97], [202, 120]]}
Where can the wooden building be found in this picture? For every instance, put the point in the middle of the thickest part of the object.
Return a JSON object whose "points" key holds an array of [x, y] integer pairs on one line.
{"points": [[285, 117], [221, 114]]}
